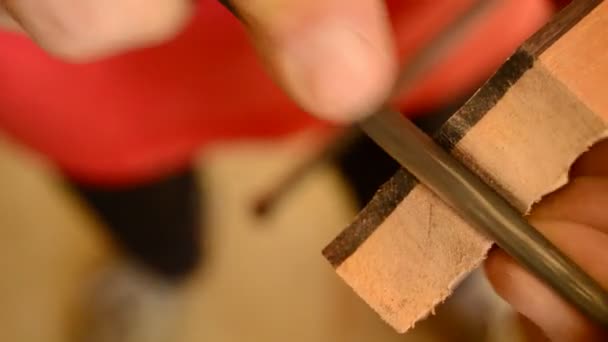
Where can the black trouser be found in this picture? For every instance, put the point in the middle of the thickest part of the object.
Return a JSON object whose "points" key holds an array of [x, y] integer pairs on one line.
{"points": [[158, 224]]}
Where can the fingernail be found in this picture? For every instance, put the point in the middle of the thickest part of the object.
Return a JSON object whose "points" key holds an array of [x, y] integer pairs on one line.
{"points": [[335, 72]]}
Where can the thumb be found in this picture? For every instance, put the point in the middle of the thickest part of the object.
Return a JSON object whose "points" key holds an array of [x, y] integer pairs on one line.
{"points": [[334, 57]]}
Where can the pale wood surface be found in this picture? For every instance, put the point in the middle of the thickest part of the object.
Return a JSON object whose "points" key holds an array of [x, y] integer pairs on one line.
{"points": [[523, 147], [579, 60]]}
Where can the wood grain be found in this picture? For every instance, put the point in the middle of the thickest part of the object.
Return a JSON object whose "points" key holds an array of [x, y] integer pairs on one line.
{"points": [[407, 251]]}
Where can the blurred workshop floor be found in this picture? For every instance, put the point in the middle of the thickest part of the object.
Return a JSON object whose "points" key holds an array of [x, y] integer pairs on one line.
{"points": [[264, 280]]}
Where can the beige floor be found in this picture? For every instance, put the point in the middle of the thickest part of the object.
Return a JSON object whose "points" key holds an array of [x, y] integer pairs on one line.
{"points": [[265, 280]]}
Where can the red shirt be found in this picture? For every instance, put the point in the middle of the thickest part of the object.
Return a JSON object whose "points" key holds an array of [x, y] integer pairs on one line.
{"points": [[140, 115]]}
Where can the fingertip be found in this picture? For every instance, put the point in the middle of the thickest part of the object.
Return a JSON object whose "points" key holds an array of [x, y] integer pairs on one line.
{"points": [[499, 268], [335, 58], [336, 72]]}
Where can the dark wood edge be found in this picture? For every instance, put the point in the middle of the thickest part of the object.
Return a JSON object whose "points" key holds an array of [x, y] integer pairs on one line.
{"points": [[375, 212], [483, 100], [399, 186], [561, 23]]}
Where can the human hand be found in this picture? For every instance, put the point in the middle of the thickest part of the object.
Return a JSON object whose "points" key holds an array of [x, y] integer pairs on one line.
{"points": [[79, 30], [575, 218], [339, 42], [336, 58]]}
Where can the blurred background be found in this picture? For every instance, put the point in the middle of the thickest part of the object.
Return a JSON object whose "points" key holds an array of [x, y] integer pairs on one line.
{"points": [[130, 189]]}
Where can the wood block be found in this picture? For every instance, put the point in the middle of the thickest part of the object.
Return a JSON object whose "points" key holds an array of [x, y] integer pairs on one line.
{"points": [[521, 132]]}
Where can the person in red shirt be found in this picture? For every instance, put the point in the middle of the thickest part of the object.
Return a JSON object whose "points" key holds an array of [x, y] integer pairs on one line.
{"points": [[121, 94]]}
